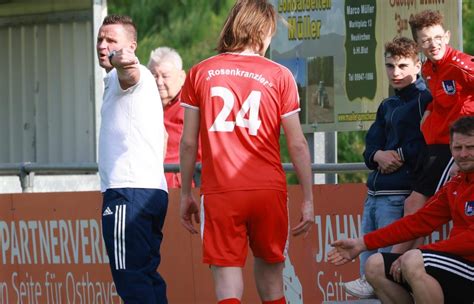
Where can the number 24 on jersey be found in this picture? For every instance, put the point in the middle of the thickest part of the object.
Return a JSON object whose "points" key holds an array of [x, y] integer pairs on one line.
{"points": [[251, 105]]}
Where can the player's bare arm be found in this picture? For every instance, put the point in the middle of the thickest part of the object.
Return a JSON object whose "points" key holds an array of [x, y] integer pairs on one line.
{"points": [[299, 153], [189, 207]]}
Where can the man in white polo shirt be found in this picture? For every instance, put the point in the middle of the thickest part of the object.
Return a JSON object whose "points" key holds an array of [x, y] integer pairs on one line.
{"points": [[131, 147]]}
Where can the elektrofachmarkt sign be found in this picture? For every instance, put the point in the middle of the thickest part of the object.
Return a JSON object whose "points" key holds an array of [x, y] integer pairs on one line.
{"points": [[334, 49]]}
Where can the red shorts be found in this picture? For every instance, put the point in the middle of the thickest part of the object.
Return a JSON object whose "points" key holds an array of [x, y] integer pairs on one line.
{"points": [[231, 221]]}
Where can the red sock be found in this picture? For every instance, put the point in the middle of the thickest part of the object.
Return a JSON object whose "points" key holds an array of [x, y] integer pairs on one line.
{"points": [[279, 301], [229, 301]]}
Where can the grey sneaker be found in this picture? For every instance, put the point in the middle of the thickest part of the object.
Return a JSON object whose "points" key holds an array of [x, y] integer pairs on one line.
{"points": [[359, 288]]}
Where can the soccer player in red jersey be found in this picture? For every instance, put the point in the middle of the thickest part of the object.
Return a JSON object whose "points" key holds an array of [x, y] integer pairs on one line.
{"points": [[237, 101]]}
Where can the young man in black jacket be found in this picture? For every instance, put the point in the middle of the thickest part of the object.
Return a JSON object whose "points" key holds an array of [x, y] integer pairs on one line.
{"points": [[393, 144]]}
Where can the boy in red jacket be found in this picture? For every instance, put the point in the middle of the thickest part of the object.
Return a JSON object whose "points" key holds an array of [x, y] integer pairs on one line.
{"points": [[449, 75]]}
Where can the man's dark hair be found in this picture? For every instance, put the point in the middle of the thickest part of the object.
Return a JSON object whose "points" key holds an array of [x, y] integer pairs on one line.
{"points": [[464, 126], [124, 20], [401, 47]]}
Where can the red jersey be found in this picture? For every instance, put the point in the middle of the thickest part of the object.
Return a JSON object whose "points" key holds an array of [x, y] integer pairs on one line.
{"points": [[241, 99], [451, 82], [173, 120], [455, 201]]}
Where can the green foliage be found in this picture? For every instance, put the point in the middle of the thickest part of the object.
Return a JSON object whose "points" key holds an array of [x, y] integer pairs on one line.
{"points": [[351, 145], [189, 26], [468, 26]]}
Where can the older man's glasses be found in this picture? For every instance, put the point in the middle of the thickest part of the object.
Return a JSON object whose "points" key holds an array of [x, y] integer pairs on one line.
{"points": [[426, 43]]}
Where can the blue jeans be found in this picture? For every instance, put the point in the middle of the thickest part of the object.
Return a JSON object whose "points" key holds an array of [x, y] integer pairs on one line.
{"points": [[379, 211]]}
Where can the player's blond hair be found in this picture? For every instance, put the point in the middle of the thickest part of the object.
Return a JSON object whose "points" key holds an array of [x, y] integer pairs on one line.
{"points": [[247, 25]]}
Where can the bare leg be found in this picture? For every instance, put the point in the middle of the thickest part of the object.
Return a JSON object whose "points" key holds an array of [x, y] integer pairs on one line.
{"points": [[412, 203], [228, 282], [426, 289], [269, 279], [386, 290]]}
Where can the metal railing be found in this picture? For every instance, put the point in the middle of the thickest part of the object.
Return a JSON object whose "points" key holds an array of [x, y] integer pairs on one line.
{"points": [[27, 171]]}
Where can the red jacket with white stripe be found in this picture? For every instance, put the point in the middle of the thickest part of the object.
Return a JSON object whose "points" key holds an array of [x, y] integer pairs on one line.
{"points": [[451, 82], [454, 201]]}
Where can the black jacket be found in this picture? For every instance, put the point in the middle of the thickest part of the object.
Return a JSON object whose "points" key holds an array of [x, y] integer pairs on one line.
{"points": [[397, 127]]}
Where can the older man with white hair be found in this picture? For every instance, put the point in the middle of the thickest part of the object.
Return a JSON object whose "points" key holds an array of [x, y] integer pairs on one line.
{"points": [[166, 66]]}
